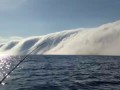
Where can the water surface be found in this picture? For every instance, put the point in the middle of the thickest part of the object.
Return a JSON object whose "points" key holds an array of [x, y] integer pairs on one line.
{"points": [[61, 73]]}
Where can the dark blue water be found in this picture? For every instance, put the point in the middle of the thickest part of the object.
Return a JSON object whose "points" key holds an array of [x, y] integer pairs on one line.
{"points": [[62, 73]]}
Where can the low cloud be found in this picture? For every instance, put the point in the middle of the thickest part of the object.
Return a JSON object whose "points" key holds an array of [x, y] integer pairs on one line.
{"points": [[102, 40]]}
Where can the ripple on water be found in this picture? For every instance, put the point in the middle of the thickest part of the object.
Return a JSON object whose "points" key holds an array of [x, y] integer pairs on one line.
{"points": [[62, 73]]}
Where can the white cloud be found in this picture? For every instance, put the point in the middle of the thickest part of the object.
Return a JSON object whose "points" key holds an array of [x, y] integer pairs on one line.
{"points": [[103, 40], [6, 5]]}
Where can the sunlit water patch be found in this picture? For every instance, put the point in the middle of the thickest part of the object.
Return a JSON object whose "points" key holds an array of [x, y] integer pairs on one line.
{"points": [[6, 64], [61, 73]]}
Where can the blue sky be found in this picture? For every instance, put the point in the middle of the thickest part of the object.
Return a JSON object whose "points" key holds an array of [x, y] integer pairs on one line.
{"points": [[37, 17]]}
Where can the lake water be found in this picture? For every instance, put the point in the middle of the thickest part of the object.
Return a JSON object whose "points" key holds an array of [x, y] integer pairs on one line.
{"points": [[61, 73]]}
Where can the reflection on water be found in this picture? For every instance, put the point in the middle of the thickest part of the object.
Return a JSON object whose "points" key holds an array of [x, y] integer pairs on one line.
{"points": [[6, 64]]}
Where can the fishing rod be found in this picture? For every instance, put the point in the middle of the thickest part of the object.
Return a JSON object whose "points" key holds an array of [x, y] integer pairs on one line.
{"points": [[1, 81]]}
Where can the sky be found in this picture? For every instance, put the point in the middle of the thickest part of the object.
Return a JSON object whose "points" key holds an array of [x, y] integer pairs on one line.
{"points": [[24, 18]]}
